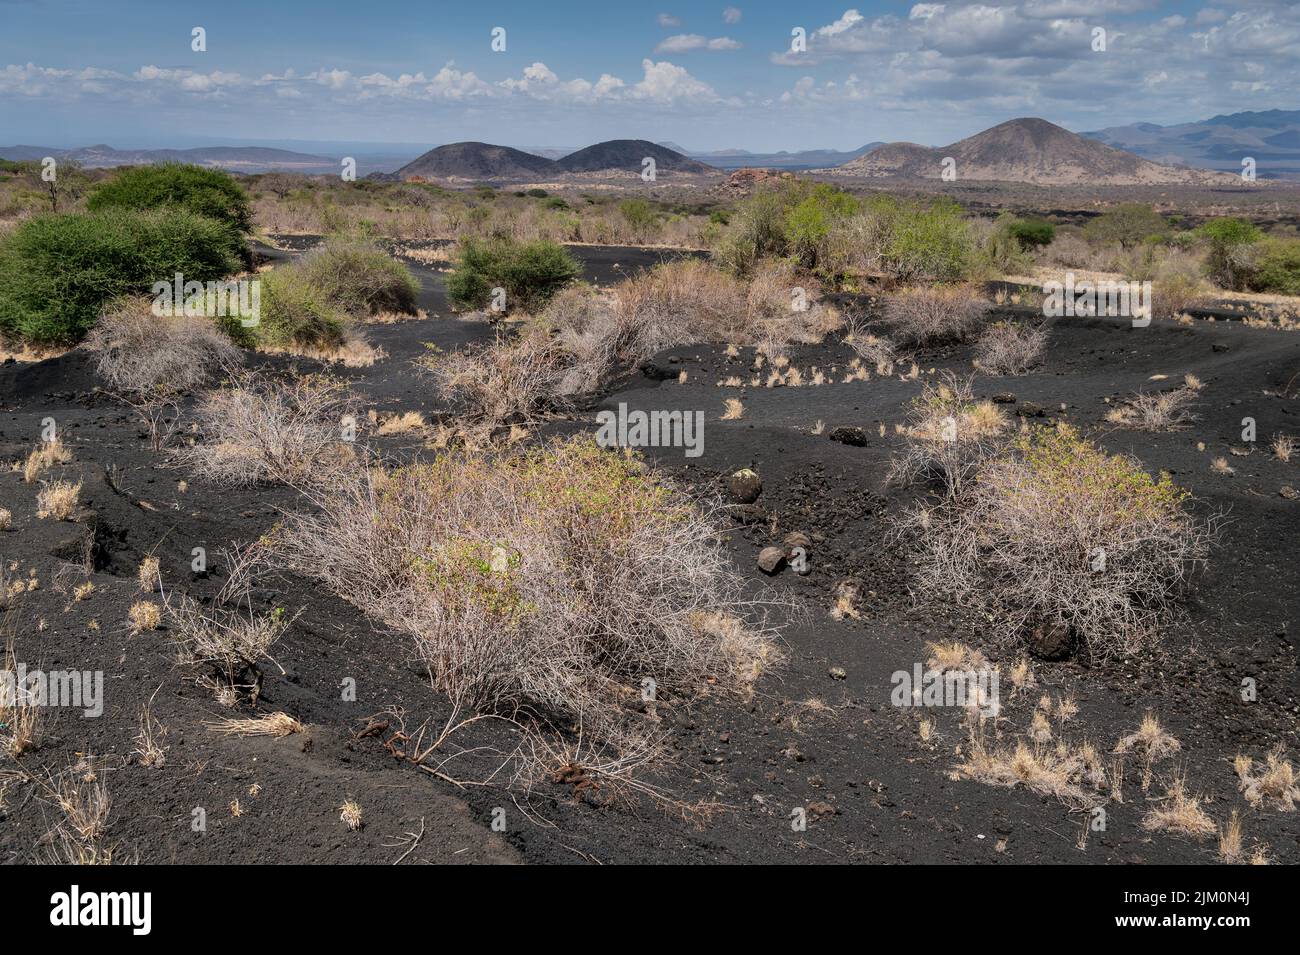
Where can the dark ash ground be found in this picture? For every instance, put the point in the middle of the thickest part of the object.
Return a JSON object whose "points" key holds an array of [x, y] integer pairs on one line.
{"points": [[882, 795]]}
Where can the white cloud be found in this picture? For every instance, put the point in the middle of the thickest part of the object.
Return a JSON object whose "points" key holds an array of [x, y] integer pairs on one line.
{"points": [[668, 21], [685, 42], [731, 15]]}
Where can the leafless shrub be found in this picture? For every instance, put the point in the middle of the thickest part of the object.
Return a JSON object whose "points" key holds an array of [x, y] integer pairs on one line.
{"points": [[262, 430], [948, 435], [1056, 532], [871, 348], [508, 381], [932, 315], [1009, 348], [227, 634], [1159, 411], [142, 354], [555, 580]]}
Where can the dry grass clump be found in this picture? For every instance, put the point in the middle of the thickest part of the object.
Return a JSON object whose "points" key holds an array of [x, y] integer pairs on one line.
{"points": [[949, 433], [954, 655], [147, 574], [555, 579], [140, 353], [1179, 813], [21, 717], [144, 615], [278, 431], [1274, 784], [58, 500], [149, 748], [1020, 538], [401, 423], [934, 314], [79, 838], [871, 348], [1149, 741], [350, 815], [1162, 411], [46, 455], [1010, 348], [6, 518], [277, 725], [1283, 447], [1072, 774], [734, 409]]}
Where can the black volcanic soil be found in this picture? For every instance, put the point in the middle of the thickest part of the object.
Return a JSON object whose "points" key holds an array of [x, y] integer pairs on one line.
{"points": [[806, 739]]}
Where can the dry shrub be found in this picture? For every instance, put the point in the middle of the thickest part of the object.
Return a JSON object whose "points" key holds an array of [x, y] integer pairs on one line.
{"points": [[1009, 348], [1054, 532], [144, 615], [140, 353], [1284, 446], [556, 579], [262, 430], [227, 634], [1161, 411], [934, 315], [509, 381], [948, 435], [1177, 284]]}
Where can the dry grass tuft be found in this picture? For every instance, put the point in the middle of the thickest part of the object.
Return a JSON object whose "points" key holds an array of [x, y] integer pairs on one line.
{"points": [[734, 409], [1283, 447], [47, 455], [1150, 741], [1180, 813], [22, 720], [1274, 784], [58, 500], [350, 815], [144, 615], [149, 748], [1162, 411], [274, 724], [148, 574]]}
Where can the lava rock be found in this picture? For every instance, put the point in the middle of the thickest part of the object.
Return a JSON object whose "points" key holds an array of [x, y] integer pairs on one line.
{"points": [[1028, 409], [771, 559], [855, 437], [745, 486], [1051, 640]]}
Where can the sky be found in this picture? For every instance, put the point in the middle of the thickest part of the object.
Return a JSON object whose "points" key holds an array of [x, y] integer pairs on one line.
{"points": [[706, 75]]}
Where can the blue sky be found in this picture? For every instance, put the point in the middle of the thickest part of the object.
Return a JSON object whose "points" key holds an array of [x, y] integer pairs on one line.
{"points": [[706, 75]]}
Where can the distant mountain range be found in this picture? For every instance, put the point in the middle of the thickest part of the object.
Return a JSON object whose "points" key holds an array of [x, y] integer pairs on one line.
{"points": [[1270, 137], [804, 159], [1022, 150], [484, 162], [1026, 150], [248, 159]]}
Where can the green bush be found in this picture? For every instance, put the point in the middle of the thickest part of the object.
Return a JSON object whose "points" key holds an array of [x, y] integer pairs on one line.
{"points": [[1031, 233], [927, 241], [530, 273], [1232, 246], [1128, 224], [1277, 266], [757, 231], [58, 271], [208, 192], [809, 221], [639, 214], [360, 278], [295, 312]]}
